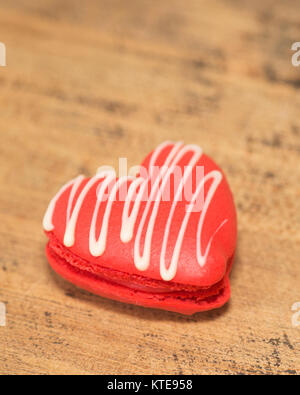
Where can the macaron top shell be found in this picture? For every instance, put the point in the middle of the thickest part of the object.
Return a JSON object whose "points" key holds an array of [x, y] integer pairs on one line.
{"points": [[156, 229]]}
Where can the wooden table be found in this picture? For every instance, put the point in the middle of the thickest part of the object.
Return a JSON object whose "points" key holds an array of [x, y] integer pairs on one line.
{"points": [[89, 82]]}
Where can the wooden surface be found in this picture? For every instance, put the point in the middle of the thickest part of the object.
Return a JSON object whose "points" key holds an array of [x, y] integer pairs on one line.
{"points": [[89, 82]]}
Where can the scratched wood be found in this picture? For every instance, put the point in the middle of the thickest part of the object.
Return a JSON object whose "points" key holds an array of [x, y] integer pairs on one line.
{"points": [[89, 82]]}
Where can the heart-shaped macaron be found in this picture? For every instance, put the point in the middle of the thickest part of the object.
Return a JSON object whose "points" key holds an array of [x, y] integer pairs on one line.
{"points": [[164, 239]]}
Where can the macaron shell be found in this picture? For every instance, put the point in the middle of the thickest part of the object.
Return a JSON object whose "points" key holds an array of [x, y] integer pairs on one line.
{"points": [[123, 294], [119, 255]]}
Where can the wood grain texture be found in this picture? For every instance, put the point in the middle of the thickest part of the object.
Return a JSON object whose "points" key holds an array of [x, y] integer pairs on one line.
{"points": [[89, 82]]}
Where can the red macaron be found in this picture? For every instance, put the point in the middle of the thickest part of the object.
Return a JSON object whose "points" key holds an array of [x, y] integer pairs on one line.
{"points": [[164, 239]]}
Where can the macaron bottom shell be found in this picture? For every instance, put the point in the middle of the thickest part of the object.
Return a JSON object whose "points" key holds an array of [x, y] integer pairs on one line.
{"points": [[184, 304]]}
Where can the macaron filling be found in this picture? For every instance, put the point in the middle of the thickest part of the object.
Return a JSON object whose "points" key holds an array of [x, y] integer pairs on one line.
{"points": [[131, 281]]}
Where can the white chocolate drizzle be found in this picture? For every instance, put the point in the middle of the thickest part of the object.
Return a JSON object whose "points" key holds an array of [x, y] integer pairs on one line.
{"points": [[129, 221]]}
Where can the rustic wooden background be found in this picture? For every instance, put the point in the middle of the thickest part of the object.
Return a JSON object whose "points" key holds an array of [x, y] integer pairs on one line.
{"points": [[88, 82]]}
